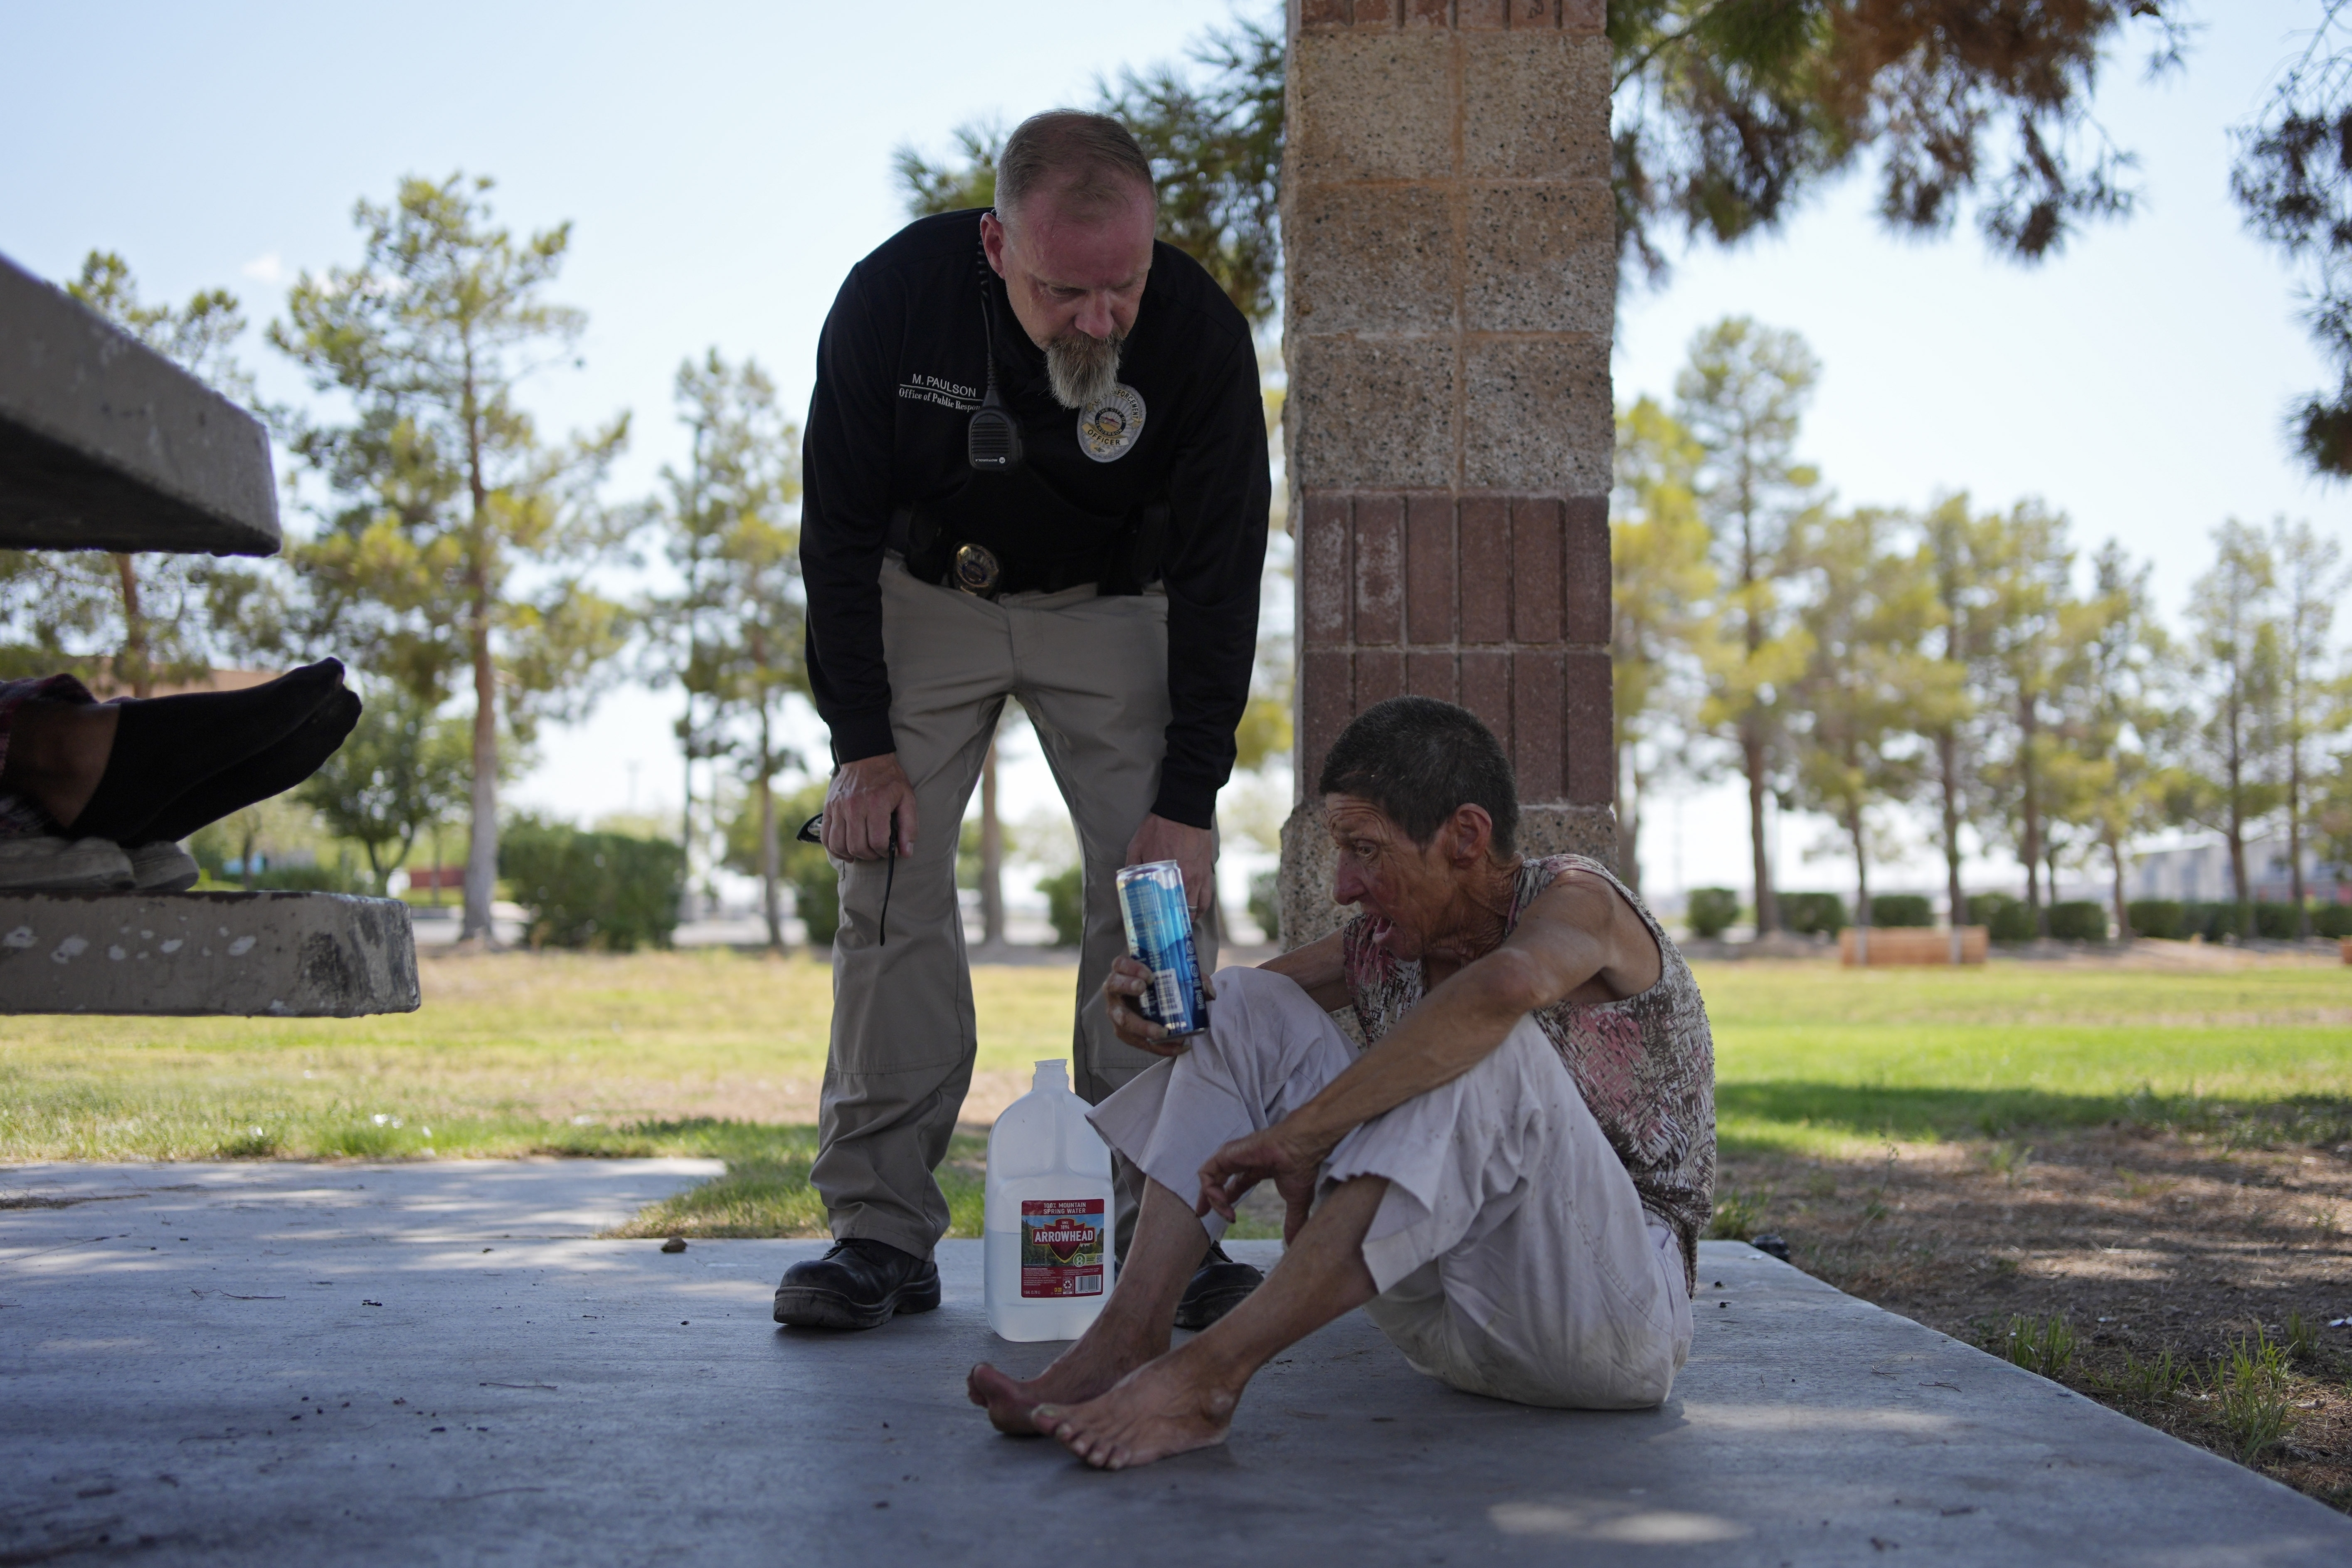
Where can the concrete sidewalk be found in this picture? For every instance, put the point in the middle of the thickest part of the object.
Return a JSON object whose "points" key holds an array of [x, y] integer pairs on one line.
{"points": [[439, 1362]]}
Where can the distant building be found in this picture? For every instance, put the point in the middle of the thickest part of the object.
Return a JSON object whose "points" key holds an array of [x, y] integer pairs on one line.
{"points": [[2199, 873]]}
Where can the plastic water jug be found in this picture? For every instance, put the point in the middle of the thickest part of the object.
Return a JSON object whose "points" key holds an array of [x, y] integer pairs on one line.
{"points": [[1049, 1215]]}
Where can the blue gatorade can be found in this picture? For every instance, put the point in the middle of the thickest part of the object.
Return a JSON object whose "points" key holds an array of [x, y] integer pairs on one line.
{"points": [[1160, 936]]}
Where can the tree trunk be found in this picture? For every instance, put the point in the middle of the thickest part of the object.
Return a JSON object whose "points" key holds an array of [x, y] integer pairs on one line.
{"points": [[2295, 842], [991, 854], [482, 847], [1751, 729], [2123, 909], [2236, 763], [686, 813], [1947, 752], [1767, 903], [133, 660], [1854, 829], [768, 837], [2029, 808], [1629, 823]]}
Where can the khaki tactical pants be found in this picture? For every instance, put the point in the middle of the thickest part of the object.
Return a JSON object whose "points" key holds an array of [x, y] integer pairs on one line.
{"points": [[1092, 673]]}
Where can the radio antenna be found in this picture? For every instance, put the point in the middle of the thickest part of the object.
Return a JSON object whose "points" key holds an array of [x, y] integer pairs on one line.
{"points": [[993, 439]]}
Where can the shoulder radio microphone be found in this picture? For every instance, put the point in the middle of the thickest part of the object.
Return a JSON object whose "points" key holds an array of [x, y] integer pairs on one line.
{"points": [[992, 440]]}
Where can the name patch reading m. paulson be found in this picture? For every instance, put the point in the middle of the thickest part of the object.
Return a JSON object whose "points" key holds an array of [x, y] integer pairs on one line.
{"points": [[940, 390], [1106, 430]]}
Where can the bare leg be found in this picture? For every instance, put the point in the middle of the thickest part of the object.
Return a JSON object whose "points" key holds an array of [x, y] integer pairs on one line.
{"points": [[1134, 1326], [1185, 1399], [57, 754]]}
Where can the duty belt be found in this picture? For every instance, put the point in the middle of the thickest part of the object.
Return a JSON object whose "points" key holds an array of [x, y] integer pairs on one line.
{"points": [[1122, 563]]}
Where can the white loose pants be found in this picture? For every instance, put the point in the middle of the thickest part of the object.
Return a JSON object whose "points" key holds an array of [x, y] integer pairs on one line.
{"points": [[1512, 1255]]}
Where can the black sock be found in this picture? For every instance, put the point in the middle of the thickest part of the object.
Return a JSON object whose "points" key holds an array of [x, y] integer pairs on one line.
{"points": [[273, 772], [165, 746]]}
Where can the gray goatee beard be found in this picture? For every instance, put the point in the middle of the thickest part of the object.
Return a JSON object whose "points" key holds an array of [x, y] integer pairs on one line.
{"points": [[1082, 370]]}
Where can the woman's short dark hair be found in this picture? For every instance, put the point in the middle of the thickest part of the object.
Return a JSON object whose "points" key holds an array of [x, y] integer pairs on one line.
{"points": [[1099, 156], [1420, 759]]}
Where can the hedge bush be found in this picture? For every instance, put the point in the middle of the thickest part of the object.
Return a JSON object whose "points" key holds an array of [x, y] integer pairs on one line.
{"points": [[2004, 918], [2174, 920], [1813, 914], [817, 891], [2078, 919], [345, 876], [591, 889], [1066, 905], [2212, 921], [1901, 909], [1711, 911]]}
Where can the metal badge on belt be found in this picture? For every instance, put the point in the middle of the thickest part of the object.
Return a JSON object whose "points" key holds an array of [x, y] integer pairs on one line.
{"points": [[977, 570], [1106, 430]]}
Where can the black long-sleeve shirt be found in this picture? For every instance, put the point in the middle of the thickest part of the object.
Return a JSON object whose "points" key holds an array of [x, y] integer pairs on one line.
{"points": [[899, 368]]}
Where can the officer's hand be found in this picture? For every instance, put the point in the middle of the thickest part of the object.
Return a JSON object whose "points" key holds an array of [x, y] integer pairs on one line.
{"points": [[859, 803], [1194, 850], [1127, 981]]}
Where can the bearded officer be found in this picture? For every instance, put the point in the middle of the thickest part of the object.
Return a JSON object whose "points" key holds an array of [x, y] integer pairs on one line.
{"points": [[1035, 467]]}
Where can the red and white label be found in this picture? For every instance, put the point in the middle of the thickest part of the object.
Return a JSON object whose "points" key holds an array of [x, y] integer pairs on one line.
{"points": [[1063, 1244]]}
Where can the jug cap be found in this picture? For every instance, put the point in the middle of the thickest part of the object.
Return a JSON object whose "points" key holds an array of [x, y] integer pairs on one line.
{"points": [[1053, 1067]]}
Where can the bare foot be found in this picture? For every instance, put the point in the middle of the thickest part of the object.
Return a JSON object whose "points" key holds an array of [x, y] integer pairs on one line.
{"points": [[1087, 1368], [1155, 1411]]}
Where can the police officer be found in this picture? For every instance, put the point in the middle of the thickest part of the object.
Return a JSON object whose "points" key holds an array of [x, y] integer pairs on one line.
{"points": [[1036, 467]]}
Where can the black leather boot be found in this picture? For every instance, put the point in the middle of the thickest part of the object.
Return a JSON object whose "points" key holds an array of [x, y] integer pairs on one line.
{"points": [[1218, 1286], [860, 1284]]}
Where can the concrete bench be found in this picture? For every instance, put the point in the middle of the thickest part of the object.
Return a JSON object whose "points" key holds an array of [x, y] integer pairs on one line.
{"points": [[107, 445], [295, 955]]}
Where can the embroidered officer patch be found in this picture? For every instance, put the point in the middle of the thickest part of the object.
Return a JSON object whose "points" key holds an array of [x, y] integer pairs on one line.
{"points": [[1106, 430]]}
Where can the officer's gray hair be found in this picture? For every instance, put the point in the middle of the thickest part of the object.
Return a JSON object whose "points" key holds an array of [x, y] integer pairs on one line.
{"points": [[1097, 156]]}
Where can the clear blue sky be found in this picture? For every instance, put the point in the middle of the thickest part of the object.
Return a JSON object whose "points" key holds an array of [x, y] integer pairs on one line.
{"points": [[723, 164]]}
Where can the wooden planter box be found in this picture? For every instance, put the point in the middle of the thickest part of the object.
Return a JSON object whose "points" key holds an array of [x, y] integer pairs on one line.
{"points": [[1915, 944]]}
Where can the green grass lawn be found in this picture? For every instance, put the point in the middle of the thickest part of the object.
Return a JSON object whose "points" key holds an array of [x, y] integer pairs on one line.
{"points": [[710, 1053], [1823, 1060]]}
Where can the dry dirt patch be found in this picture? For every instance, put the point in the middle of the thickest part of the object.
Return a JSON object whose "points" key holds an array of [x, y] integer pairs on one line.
{"points": [[2139, 1240]]}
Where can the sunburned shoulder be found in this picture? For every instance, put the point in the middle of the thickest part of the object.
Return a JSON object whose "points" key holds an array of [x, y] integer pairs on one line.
{"points": [[1584, 899], [1614, 954]]}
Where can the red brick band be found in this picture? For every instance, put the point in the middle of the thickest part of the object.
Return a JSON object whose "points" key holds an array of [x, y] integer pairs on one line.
{"points": [[1497, 602]]}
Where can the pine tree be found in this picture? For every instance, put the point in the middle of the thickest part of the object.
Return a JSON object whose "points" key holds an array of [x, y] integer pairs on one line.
{"points": [[2312, 709], [1663, 590], [443, 490], [2229, 783], [1742, 399]]}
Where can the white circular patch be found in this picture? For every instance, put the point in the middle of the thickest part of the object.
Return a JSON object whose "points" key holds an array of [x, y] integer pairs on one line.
{"points": [[1106, 430]]}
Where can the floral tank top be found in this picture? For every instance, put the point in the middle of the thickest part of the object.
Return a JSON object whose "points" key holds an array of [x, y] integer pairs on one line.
{"points": [[1645, 1064]]}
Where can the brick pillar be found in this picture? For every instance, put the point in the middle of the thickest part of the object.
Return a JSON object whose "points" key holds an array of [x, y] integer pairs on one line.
{"points": [[1451, 277]]}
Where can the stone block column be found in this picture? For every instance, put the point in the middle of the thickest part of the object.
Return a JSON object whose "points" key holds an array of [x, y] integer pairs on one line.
{"points": [[1450, 274]]}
